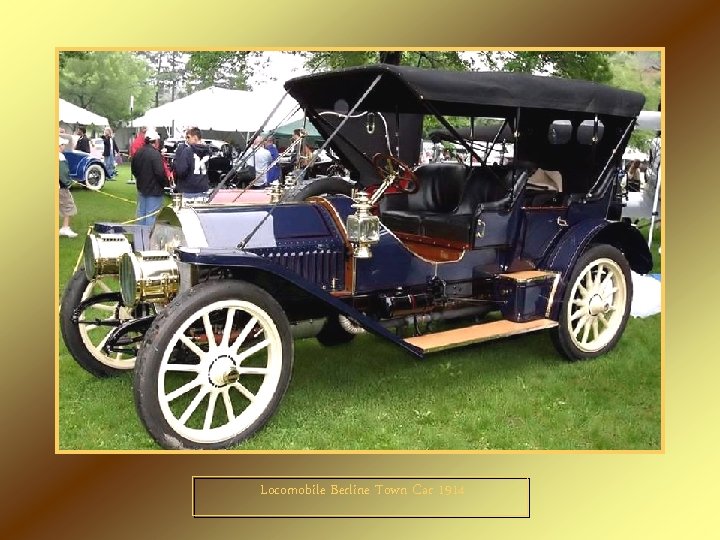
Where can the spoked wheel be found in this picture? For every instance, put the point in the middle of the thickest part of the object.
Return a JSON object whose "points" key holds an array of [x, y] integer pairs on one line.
{"points": [[596, 306], [214, 366], [85, 331]]}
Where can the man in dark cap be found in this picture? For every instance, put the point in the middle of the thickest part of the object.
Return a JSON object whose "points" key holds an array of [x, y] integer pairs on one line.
{"points": [[147, 167]]}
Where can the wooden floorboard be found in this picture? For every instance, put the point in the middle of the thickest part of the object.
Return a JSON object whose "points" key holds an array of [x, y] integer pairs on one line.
{"points": [[527, 275], [476, 334]]}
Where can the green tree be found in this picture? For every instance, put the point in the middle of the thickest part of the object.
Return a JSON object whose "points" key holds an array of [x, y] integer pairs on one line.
{"points": [[328, 60], [65, 55], [587, 65], [638, 71], [104, 81], [227, 69], [168, 73]]}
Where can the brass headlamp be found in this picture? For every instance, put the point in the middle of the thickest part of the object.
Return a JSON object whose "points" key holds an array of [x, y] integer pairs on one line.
{"points": [[148, 276], [102, 253]]}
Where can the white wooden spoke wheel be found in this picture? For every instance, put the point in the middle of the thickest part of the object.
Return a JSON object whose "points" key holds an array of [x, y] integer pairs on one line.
{"points": [[85, 332], [596, 304], [214, 368], [599, 296]]}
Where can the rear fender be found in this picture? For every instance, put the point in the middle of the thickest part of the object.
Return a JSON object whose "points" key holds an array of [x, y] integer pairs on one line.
{"points": [[579, 237], [257, 269]]}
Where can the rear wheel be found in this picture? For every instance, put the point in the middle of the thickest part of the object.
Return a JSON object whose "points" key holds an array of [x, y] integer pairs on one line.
{"points": [[596, 305], [95, 177], [214, 366]]}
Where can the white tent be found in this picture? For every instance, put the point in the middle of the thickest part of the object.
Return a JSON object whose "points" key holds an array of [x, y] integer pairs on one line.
{"points": [[646, 203], [220, 109], [72, 114], [648, 120]]}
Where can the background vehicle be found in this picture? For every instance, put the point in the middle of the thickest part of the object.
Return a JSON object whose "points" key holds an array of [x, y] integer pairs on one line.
{"points": [[97, 147], [86, 169], [418, 256]]}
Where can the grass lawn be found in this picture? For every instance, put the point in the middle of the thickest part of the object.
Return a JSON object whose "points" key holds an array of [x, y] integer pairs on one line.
{"points": [[509, 394]]}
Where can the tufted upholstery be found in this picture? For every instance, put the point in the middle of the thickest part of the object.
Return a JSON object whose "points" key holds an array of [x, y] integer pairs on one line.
{"points": [[451, 193], [441, 186], [483, 186]]}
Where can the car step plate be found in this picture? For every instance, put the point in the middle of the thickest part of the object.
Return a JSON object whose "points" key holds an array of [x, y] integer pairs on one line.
{"points": [[476, 334], [529, 275]]}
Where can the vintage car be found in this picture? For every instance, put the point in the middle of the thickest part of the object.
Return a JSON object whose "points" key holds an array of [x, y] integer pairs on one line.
{"points": [[86, 169], [207, 313]]}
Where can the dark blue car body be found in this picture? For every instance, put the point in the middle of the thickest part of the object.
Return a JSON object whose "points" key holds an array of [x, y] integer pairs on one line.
{"points": [[86, 169], [485, 250]]}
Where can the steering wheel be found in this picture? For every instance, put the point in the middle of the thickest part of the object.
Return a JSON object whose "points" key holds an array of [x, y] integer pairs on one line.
{"points": [[405, 179]]}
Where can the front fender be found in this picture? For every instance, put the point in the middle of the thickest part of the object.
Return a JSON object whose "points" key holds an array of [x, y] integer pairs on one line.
{"points": [[251, 261]]}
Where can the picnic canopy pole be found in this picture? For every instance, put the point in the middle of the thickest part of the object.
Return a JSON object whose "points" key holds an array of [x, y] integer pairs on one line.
{"points": [[655, 207]]}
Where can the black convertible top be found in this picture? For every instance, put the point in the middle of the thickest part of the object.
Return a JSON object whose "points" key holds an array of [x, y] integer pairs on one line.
{"points": [[480, 133], [404, 89]]}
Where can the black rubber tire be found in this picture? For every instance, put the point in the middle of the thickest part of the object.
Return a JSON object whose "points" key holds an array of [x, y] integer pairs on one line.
{"points": [[560, 335], [72, 296], [97, 169], [333, 334], [157, 340], [328, 185]]}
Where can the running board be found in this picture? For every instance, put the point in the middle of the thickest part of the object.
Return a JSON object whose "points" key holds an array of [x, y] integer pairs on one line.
{"points": [[476, 334]]}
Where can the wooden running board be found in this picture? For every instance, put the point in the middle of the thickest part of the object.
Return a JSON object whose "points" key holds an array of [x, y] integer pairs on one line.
{"points": [[476, 334], [529, 275]]}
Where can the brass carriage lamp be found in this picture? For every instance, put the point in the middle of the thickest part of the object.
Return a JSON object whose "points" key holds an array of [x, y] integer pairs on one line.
{"points": [[363, 228], [102, 253]]}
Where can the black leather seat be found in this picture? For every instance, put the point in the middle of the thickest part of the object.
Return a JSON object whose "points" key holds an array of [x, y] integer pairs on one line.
{"points": [[440, 189], [483, 186]]}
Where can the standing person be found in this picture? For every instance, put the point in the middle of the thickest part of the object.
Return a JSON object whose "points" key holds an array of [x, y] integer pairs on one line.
{"points": [[83, 143], [67, 203], [190, 166], [274, 173], [148, 170], [299, 157], [261, 160], [633, 176], [110, 152], [136, 145]]}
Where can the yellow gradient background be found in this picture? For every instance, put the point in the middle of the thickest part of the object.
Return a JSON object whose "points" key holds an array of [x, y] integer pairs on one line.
{"points": [[672, 494]]}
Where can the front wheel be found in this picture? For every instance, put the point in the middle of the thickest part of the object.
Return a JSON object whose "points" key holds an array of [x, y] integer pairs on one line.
{"points": [[86, 329], [95, 177], [214, 366], [596, 305]]}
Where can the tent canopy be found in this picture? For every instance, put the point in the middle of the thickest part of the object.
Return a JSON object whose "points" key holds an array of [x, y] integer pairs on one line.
{"points": [[72, 114], [219, 109], [286, 130], [649, 120]]}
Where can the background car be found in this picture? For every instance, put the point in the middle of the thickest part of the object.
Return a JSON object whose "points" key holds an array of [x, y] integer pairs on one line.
{"points": [[97, 147], [86, 169]]}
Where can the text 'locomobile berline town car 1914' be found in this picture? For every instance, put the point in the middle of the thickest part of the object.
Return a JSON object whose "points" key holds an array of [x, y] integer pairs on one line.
{"points": [[208, 313]]}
